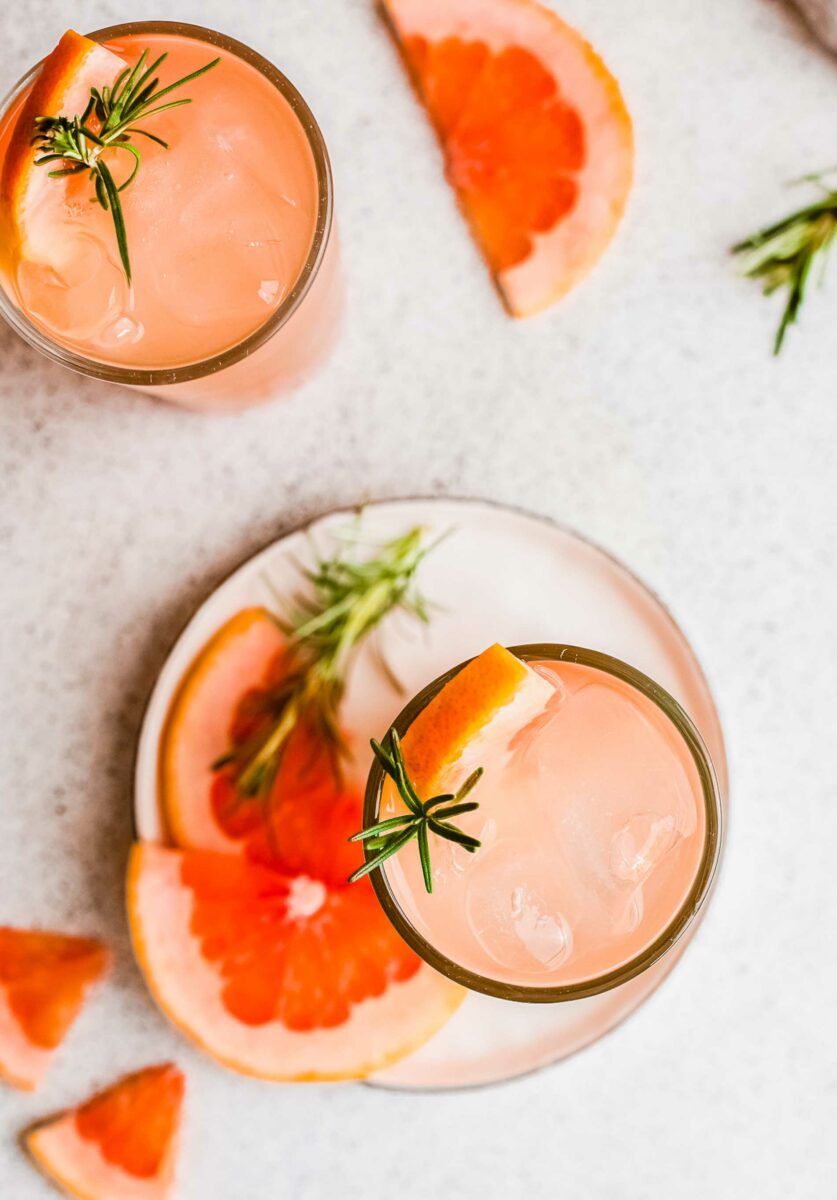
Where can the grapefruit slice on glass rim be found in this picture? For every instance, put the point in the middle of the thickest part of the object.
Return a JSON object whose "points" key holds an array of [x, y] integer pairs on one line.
{"points": [[537, 140], [492, 697], [33, 204], [121, 1144], [281, 977], [43, 981]]}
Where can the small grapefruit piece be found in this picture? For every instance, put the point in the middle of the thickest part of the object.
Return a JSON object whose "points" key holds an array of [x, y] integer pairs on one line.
{"points": [[62, 88], [493, 693], [232, 668], [121, 1144], [282, 977], [43, 981], [537, 140]]}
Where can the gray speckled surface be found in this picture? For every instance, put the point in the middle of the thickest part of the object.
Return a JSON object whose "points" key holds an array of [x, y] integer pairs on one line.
{"points": [[646, 411]]}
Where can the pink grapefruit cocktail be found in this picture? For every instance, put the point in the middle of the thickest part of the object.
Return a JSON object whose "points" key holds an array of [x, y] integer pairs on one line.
{"points": [[598, 823], [231, 295]]}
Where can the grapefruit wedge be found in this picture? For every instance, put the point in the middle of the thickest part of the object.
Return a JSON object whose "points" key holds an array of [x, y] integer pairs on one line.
{"points": [[537, 140], [492, 697], [43, 981], [33, 204], [282, 977], [121, 1144]]}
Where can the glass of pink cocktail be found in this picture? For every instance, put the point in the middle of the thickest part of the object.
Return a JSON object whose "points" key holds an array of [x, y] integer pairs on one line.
{"points": [[225, 292], [582, 852]]}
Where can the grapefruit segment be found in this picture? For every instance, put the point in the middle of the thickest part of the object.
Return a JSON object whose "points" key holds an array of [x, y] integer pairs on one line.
{"points": [[537, 140], [43, 981], [29, 197], [121, 1144], [493, 693], [308, 829], [282, 977]]}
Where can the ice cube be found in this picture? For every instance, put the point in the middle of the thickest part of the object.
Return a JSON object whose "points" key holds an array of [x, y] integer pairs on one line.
{"points": [[513, 907], [640, 844], [234, 258], [546, 935], [124, 331], [77, 295]]}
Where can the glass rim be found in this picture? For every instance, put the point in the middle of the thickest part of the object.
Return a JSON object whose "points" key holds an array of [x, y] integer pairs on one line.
{"points": [[682, 918], [188, 372]]}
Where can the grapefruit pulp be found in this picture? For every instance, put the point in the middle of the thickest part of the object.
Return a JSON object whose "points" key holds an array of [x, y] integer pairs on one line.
{"points": [[43, 981], [537, 141], [121, 1144]]}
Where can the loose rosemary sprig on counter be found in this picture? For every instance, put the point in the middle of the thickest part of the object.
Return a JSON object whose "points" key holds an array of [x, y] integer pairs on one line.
{"points": [[114, 111], [783, 255], [348, 600], [422, 817]]}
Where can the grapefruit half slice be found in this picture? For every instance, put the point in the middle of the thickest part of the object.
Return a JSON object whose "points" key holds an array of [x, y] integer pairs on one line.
{"points": [[282, 977], [43, 981], [537, 140], [303, 826], [121, 1144], [29, 197], [231, 672]]}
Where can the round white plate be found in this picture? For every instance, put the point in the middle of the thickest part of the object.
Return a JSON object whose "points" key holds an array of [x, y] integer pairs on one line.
{"points": [[500, 575]]}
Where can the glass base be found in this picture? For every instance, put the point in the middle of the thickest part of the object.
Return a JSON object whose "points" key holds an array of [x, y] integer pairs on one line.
{"points": [[500, 575]]}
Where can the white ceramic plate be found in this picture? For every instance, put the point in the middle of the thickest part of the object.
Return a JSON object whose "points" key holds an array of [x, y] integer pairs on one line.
{"points": [[501, 575]]}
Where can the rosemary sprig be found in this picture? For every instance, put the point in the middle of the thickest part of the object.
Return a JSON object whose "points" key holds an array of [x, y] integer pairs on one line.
{"points": [[109, 123], [421, 818], [348, 600], [783, 255]]}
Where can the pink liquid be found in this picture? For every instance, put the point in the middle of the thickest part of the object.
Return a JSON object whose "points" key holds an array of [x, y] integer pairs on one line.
{"points": [[220, 227], [593, 824]]}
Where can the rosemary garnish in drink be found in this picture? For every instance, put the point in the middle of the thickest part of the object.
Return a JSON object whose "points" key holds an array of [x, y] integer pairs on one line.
{"points": [[783, 255], [108, 123], [422, 817], [349, 599]]}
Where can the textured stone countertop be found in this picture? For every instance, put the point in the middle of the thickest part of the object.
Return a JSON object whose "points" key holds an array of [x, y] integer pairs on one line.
{"points": [[647, 412]]}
